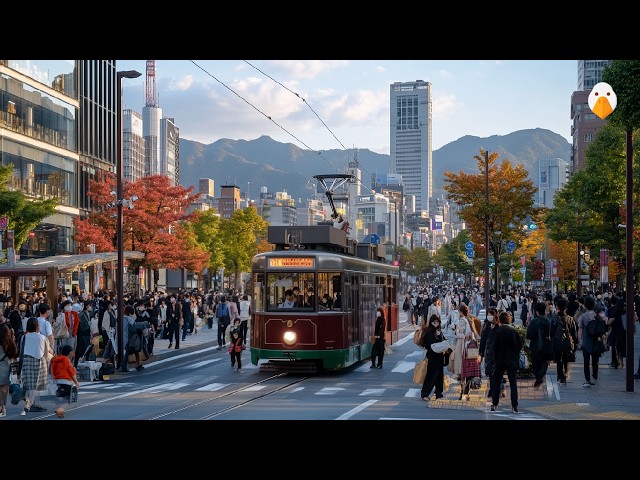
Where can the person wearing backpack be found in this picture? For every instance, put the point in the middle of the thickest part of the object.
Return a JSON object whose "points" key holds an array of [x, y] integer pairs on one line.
{"points": [[617, 335], [565, 338], [224, 319], [588, 343], [539, 335]]}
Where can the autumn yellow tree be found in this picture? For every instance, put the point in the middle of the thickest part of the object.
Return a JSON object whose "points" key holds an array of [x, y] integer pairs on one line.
{"points": [[511, 200]]}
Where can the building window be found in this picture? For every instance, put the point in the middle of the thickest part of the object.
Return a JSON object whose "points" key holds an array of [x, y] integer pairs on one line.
{"points": [[588, 137]]}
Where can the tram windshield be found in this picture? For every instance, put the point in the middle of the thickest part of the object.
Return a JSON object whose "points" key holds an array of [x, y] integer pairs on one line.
{"points": [[308, 291]]}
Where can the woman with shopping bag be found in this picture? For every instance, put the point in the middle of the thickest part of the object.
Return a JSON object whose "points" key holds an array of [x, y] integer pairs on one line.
{"points": [[436, 360], [467, 352]]}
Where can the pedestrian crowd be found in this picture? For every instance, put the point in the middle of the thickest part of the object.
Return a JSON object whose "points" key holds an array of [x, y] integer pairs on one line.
{"points": [[42, 352], [553, 329]]}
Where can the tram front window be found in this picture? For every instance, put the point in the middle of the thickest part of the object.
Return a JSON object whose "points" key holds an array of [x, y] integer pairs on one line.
{"points": [[282, 289]]}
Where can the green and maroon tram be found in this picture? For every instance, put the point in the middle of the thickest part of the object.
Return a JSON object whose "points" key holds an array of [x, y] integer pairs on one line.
{"points": [[327, 325]]}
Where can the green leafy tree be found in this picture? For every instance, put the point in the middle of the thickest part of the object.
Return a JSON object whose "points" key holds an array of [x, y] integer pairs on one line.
{"points": [[589, 209], [241, 236], [624, 78], [452, 257], [23, 214], [206, 228]]}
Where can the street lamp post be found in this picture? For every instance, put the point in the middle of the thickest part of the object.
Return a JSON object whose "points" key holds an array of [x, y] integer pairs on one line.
{"points": [[487, 277], [119, 193]]}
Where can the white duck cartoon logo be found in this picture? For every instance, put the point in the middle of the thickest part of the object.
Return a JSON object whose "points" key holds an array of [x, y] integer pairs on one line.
{"points": [[602, 100]]}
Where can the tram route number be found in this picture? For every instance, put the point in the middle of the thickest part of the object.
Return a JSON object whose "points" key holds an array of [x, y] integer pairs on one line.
{"points": [[292, 262]]}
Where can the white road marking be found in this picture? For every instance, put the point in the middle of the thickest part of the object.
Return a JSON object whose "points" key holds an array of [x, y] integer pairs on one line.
{"points": [[372, 392], [203, 363], [404, 367], [358, 409], [212, 387], [329, 391]]}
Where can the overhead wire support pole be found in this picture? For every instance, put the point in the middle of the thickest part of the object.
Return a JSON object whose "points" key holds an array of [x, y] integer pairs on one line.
{"points": [[487, 276]]}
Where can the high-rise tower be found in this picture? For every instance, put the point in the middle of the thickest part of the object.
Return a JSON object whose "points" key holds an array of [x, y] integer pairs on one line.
{"points": [[151, 116], [585, 123], [410, 124]]}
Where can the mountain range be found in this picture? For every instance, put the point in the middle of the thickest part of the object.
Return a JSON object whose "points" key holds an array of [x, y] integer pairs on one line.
{"points": [[264, 162]]}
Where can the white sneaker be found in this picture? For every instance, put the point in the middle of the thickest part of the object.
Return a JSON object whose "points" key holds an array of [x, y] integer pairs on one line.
{"points": [[23, 412], [586, 384]]}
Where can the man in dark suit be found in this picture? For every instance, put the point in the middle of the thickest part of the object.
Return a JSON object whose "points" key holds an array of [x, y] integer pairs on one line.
{"points": [[185, 301], [506, 351]]}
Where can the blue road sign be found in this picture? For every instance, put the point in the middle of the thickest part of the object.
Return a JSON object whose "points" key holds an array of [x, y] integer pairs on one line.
{"points": [[511, 246], [470, 253], [469, 245]]}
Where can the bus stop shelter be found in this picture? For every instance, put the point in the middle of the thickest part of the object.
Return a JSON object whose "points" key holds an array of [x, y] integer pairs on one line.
{"points": [[53, 270]]}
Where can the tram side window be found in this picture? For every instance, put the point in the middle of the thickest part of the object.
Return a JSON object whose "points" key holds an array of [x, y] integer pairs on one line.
{"points": [[328, 291]]}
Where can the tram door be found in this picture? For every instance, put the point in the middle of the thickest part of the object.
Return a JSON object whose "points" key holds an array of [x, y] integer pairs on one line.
{"points": [[364, 317]]}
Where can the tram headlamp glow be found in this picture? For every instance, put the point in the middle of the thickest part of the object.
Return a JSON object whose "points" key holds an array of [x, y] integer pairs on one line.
{"points": [[289, 337]]}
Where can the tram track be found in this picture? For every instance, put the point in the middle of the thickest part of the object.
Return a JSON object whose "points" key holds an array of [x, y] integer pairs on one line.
{"points": [[168, 414]]}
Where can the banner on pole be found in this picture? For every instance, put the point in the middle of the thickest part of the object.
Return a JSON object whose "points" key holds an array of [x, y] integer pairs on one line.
{"points": [[604, 265]]}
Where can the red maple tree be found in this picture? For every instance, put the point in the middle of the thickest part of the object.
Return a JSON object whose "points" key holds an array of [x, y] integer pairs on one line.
{"points": [[153, 226]]}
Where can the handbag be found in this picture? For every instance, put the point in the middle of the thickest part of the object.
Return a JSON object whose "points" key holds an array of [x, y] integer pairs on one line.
{"points": [[420, 371], [522, 360], [472, 351], [59, 328], [452, 356]]}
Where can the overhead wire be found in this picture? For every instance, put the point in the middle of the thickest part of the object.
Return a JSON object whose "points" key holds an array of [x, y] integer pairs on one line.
{"points": [[314, 112], [319, 152]]}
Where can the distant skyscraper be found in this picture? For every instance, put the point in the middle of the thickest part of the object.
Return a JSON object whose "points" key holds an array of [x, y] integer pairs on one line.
{"points": [[590, 73], [553, 174], [585, 123], [411, 155], [161, 135], [170, 150], [151, 117], [133, 151]]}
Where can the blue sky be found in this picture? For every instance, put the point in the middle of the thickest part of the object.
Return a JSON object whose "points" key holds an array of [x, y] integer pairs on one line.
{"points": [[345, 103]]}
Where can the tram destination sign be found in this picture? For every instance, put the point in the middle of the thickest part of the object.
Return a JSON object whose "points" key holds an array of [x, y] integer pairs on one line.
{"points": [[294, 262]]}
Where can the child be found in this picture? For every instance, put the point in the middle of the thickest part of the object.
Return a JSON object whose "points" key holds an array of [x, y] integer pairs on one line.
{"points": [[235, 349], [63, 372], [234, 326]]}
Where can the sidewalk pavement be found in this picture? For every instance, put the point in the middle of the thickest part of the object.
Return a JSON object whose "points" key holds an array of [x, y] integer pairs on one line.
{"points": [[609, 399]]}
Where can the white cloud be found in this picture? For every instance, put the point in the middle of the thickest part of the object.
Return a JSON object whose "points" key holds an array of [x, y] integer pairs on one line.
{"points": [[182, 83], [445, 104], [305, 68]]}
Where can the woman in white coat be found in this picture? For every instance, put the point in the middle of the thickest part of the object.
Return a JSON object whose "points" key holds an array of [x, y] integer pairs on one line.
{"points": [[463, 332]]}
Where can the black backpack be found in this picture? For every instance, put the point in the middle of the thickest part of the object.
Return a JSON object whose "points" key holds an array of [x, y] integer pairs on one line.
{"points": [[596, 327], [562, 340]]}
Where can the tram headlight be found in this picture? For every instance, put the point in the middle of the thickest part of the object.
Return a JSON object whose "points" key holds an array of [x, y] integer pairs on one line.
{"points": [[290, 337]]}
